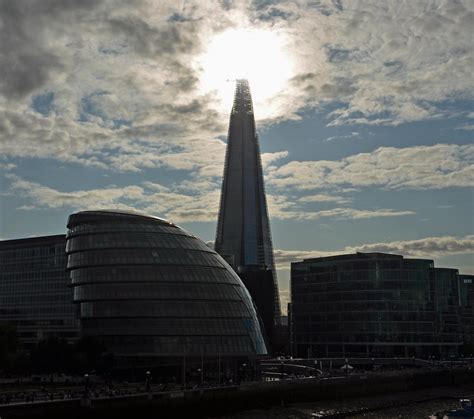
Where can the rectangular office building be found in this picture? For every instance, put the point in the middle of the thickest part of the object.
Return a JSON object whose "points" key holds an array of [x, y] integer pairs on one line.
{"points": [[374, 305], [466, 287], [34, 289]]}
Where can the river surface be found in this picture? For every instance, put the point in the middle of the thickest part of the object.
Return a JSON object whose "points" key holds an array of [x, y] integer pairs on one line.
{"points": [[415, 404]]}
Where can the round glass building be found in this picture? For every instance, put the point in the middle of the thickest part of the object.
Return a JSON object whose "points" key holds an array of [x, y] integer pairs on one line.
{"points": [[149, 289]]}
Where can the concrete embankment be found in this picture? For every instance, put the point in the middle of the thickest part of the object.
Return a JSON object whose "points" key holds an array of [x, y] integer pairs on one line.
{"points": [[214, 402]]}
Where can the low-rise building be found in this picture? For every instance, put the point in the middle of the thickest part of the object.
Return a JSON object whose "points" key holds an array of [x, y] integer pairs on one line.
{"points": [[466, 287], [372, 305], [35, 295]]}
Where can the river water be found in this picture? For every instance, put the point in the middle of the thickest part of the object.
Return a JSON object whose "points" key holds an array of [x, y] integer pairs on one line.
{"points": [[415, 404]]}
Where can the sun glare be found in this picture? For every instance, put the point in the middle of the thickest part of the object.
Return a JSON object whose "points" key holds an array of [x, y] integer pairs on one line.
{"points": [[255, 54]]}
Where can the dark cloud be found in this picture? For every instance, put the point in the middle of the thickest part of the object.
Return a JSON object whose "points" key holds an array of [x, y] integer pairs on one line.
{"points": [[25, 65], [55, 55], [327, 8], [186, 79], [148, 40], [303, 78], [27, 62], [311, 84], [273, 14]]}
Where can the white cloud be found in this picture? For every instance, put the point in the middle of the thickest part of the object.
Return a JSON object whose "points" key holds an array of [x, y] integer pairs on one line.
{"points": [[284, 300], [46, 197], [429, 247], [420, 167], [126, 95], [150, 198], [280, 207], [201, 204], [269, 158], [7, 166], [468, 127], [325, 198], [388, 63], [352, 135]]}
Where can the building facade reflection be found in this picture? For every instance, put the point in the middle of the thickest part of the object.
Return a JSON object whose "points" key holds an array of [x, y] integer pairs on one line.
{"points": [[374, 304], [151, 291]]}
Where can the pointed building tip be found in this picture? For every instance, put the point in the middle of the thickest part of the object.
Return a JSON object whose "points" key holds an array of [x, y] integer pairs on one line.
{"points": [[242, 97], [242, 83]]}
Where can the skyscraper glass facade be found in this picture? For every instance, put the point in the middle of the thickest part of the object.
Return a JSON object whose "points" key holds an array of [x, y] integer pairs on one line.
{"points": [[34, 289], [145, 287], [373, 305], [243, 229]]}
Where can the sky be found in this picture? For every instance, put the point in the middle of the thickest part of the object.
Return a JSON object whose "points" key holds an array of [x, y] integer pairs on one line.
{"points": [[364, 111]]}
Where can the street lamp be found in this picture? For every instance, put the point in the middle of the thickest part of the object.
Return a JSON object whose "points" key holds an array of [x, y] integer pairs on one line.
{"points": [[86, 384], [85, 399], [244, 366], [148, 381], [201, 372], [346, 366]]}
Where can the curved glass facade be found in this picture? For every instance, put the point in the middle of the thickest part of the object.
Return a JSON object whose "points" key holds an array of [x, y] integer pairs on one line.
{"points": [[146, 287]]}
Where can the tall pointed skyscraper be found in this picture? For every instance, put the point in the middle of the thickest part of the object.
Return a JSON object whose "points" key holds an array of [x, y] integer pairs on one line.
{"points": [[243, 230]]}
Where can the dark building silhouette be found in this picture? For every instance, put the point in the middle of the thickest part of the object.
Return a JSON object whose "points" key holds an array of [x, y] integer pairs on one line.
{"points": [[34, 289], [155, 294], [243, 235], [466, 290], [374, 304], [259, 283]]}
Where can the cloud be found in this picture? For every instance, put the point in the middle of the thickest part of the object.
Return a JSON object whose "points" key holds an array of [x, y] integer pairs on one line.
{"points": [[26, 64], [29, 134], [352, 135], [269, 158], [151, 198], [420, 56], [325, 198], [419, 167], [283, 208], [122, 97], [339, 214], [183, 202], [7, 166], [429, 247], [284, 300], [467, 127], [46, 197], [124, 83]]}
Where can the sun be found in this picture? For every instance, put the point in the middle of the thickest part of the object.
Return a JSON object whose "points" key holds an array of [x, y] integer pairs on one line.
{"points": [[257, 55]]}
